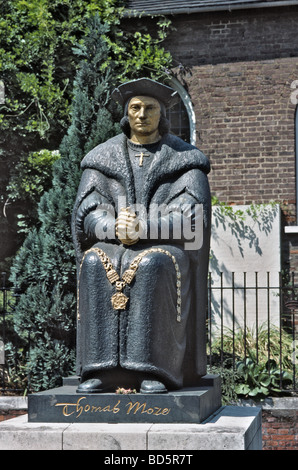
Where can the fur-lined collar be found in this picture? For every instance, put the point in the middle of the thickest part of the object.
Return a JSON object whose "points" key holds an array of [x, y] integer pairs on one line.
{"points": [[173, 156]]}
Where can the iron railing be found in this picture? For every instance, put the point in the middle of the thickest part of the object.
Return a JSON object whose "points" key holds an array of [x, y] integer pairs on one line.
{"points": [[8, 337], [247, 314], [253, 315]]}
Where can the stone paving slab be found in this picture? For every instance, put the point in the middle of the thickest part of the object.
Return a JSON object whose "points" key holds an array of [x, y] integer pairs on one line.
{"points": [[19, 434], [232, 428], [103, 436]]}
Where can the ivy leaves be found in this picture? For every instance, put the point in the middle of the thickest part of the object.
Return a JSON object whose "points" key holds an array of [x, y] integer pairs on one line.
{"points": [[37, 57]]}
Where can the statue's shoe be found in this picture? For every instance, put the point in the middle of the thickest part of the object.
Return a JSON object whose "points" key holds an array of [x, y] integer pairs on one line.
{"points": [[92, 386], [152, 386]]}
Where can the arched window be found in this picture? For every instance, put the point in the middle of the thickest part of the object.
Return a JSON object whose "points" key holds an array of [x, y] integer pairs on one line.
{"points": [[179, 121], [182, 116]]}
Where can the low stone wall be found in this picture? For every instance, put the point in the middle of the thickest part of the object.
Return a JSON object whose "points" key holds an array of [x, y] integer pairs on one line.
{"points": [[10, 414], [280, 425], [280, 430], [11, 407], [279, 422]]}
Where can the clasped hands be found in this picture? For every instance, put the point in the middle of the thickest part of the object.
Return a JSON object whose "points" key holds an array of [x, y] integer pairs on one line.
{"points": [[128, 227]]}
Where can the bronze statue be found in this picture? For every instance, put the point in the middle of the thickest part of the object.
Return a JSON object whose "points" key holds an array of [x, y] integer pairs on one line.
{"points": [[141, 228]]}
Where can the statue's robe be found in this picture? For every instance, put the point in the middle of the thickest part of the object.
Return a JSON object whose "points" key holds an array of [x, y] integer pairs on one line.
{"points": [[146, 338]]}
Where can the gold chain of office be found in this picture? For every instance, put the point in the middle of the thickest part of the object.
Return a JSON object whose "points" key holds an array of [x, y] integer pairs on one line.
{"points": [[119, 299]]}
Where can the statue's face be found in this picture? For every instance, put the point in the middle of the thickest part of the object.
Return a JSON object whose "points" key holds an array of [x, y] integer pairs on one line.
{"points": [[144, 115]]}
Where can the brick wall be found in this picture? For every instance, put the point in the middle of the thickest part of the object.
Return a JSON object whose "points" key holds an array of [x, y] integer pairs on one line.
{"points": [[280, 429], [8, 414], [238, 68], [225, 37], [245, 124]]}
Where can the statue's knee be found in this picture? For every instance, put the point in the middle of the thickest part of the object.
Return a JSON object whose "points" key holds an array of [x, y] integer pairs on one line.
{"points": [[90, 259], [92, 263], [157, 262]]}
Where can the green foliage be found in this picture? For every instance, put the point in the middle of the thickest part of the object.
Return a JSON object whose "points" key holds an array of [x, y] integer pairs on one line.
{"points": [[36, 59], [38, 40], [40, 49], [144, 55], [13, 375], [229, 380], [256, 344], [260, 380], [15, 372], [251, 363], [44, 317], [31, 177]]}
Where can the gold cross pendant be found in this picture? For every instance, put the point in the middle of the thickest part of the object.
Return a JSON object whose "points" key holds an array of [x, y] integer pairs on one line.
{"points": [[142, 155]]}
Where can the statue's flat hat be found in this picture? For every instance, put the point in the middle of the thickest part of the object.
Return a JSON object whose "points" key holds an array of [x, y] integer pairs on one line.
{"points": [[145, 87]]}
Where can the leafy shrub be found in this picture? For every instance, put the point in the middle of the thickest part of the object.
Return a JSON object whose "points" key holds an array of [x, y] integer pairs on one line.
{"points": [[31, 177], [40, 52], [253, 363], [259, 380], [259, 345], [230, 377]]}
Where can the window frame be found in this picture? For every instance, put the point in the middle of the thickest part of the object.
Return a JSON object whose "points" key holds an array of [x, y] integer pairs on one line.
{"points": [[186, 100]]}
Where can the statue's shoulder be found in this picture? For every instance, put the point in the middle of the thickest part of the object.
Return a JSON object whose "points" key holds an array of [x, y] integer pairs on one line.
{"points": [[175, 142], [178, 144], [103, 150], [187, 152]]}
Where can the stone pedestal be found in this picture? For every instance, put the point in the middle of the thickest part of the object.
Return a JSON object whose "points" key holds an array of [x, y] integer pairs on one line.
{"points": [[185, 420], [64, 405], [230, 428]]}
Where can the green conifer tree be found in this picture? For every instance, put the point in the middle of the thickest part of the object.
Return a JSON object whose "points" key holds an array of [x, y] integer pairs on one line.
{"points": [[44, 268]]}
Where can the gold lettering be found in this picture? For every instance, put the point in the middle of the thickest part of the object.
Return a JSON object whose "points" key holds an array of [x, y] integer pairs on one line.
{"points": [[65, 409], [115, 407], [94, 409], [132, 408], [137, 406], [79, 408]]}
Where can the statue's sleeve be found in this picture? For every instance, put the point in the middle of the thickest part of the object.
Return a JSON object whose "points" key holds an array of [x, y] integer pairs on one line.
{"points": [[184, 217], [95, 218], [180, 221]]}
